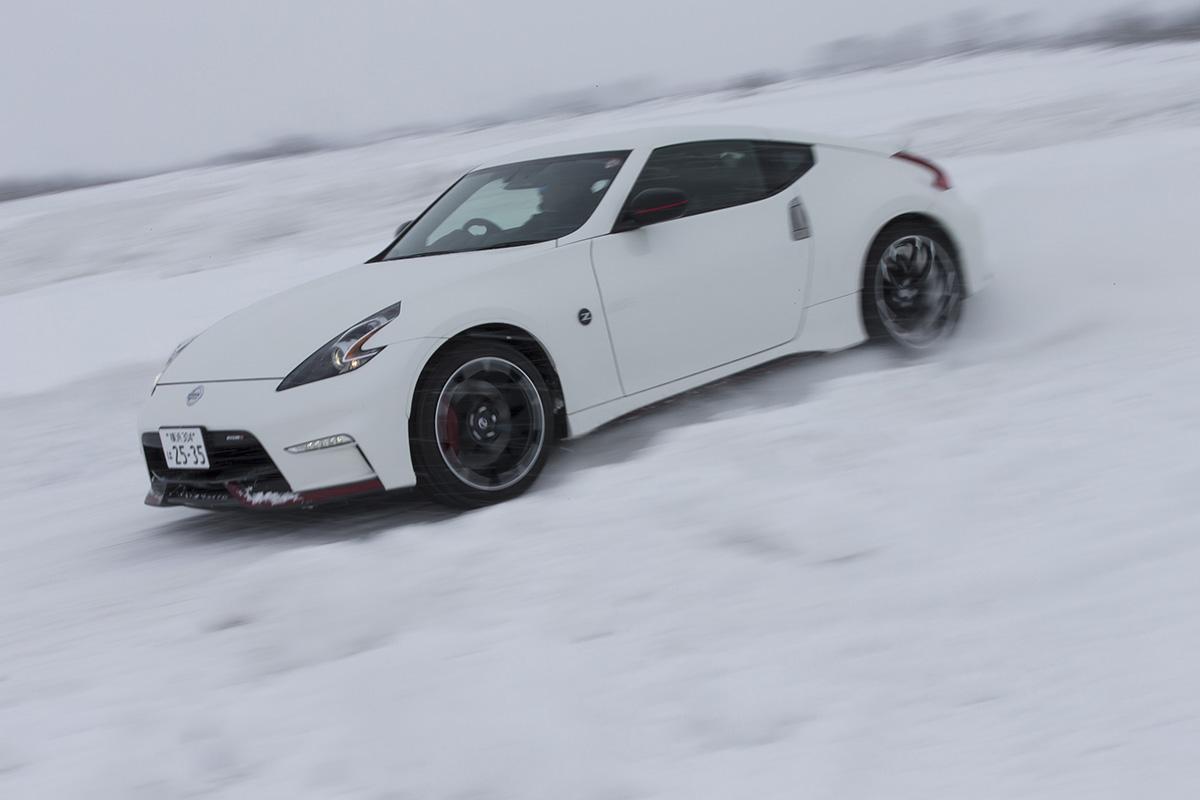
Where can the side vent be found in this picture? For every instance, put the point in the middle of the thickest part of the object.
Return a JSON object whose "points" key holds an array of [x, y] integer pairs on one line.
{"points": [[799, 219]]}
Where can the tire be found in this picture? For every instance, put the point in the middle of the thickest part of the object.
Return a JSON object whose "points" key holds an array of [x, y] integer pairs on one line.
{"points": [[482, 425], [912, 288]]}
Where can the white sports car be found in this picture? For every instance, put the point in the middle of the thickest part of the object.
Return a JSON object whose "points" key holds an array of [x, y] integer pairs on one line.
{"points": [[547, 293]]}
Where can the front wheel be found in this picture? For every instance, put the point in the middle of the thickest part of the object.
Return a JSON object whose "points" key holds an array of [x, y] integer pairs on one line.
{"points": [[482, 425], [912, 288]]}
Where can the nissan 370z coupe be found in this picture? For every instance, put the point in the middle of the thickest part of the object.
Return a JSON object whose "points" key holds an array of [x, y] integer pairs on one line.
{"points": [[548, 292]]}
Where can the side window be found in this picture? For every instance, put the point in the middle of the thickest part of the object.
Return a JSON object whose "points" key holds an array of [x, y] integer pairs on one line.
{"points": [[721, 174], [714, 175], [783, 163]]}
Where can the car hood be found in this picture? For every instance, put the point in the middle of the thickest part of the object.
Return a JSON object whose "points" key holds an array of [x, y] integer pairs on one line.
{"points": [[271, 337]]}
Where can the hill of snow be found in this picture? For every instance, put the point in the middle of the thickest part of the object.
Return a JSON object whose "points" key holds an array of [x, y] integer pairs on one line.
{"points": [[848, 576]]}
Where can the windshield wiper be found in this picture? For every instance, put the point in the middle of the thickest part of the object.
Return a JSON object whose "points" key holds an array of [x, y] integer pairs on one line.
{"points": [[518, 243], [420, 255]]}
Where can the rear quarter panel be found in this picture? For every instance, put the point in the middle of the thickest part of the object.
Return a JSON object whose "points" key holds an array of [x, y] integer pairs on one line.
{"points": [[850, 196]]}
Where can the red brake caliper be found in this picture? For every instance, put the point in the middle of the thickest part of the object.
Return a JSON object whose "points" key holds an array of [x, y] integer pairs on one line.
{"points": [[450, 435]]}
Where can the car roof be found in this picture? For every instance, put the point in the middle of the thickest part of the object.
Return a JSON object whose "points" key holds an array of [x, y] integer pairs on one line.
{"points": [[650, 137]]}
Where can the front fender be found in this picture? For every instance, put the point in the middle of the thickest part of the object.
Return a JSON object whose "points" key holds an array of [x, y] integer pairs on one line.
{"points": [[543, 296]]}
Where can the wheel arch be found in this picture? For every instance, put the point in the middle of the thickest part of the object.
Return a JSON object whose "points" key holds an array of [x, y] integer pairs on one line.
{"points": [[922, 219], [523, 341]]}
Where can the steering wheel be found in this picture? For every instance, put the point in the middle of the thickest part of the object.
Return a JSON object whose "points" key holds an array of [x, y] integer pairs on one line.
{"points": [[489, 226]]}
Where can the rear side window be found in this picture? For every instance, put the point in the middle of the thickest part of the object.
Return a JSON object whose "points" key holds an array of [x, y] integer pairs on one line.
{"points": [[714, 175], [724, 173], [783, 163]]}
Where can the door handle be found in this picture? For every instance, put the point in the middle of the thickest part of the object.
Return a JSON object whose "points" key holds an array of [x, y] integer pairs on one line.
{"points": [[799, 219]]}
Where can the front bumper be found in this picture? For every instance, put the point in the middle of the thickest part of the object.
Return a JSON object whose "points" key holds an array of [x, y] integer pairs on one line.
{"points": [[248, 426], [241, 475]]}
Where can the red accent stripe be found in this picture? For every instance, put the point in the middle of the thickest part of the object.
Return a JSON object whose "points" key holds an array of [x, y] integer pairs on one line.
{"points": [[676, 204], [310, 497], [345, 490]]}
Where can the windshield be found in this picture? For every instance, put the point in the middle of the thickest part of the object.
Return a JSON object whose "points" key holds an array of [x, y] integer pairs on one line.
{"points": [[514, 204]]}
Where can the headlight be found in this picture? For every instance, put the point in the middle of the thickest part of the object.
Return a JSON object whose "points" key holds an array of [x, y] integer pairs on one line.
{"points": [[174, 355], [344, 353]]}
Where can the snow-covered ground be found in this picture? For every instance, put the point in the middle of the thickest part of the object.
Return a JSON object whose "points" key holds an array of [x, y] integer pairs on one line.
{"points": [[847, 576]]}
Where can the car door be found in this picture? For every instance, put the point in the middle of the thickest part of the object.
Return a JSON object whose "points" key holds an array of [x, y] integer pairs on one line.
{"points": [[722, 282]]}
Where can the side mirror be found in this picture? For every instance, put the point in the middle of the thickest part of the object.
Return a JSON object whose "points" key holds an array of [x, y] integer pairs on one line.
{"points": [[401, 228], [651, 206]]}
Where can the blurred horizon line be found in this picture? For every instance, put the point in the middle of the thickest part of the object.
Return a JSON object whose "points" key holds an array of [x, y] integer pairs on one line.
{"points": [[966, 34]]}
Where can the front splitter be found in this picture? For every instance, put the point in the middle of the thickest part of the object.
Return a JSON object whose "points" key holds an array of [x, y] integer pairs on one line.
{"points": [[235, 495]]}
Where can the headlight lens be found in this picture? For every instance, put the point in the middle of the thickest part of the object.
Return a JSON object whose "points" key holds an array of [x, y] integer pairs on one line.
{"points": [[174, 355], [344, 353]]}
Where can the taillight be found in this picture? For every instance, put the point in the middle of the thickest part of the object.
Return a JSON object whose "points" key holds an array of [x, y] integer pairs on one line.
{"points": [[940, 179]]}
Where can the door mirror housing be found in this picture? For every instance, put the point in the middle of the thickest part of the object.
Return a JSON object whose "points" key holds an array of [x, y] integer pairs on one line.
{"points": [[401, 228], [651, 206]]}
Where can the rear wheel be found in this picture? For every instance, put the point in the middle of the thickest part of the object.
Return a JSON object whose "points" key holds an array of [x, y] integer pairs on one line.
{"points": [[912, 287], [482, 425]]}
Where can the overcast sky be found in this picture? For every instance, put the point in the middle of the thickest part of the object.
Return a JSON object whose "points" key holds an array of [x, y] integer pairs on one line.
{"points": [[116, 85]]}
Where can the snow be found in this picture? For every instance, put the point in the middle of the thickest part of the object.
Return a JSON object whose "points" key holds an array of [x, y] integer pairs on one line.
{"points": [[847, 576], [266, 498]]}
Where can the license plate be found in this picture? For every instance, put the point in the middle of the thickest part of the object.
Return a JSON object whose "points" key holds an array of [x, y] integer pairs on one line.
{"points": [[184, 448]]}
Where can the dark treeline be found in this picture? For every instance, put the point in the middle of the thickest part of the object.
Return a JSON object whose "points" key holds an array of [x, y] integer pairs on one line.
{"points": [[31, 187], [17, 188], [975, 32]]}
